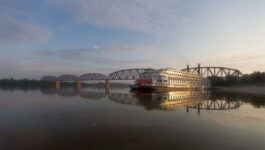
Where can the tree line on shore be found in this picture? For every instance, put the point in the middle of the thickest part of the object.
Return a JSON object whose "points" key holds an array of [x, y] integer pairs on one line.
{"points": [[23, 84], [26, 84], [255, 78]]}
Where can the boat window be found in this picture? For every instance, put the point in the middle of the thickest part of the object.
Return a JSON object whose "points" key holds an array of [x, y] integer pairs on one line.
{"points": [[164, 80]]}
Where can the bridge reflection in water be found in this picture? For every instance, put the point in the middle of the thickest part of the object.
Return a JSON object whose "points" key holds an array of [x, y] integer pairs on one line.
{"points": [[163, 101]]}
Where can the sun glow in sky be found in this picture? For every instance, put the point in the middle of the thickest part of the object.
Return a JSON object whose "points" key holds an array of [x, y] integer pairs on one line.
{"points": [[53, 37]]}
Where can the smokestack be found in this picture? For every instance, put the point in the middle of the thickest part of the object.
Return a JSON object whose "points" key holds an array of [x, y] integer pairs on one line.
{"points": [[188, 68], [199, 68]]}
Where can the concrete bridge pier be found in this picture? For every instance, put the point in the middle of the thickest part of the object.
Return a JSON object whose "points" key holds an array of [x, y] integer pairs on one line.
{"points": [[198, 109], [57, 85], [78, 85], [107, 86]]}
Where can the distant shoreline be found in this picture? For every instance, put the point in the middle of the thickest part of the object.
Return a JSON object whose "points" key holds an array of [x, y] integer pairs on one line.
{"points": [[33, 84], [257, 89]]}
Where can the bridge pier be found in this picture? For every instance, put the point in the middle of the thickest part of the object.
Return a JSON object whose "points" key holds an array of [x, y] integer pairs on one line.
{"points": [[198, 109], [78, 85], [57, 85], [107, 86]]}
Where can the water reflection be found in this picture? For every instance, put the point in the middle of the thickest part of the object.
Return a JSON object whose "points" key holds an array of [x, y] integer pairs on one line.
{"points": [[164, 101], [167, 101], [116, 120], [70, 92]]}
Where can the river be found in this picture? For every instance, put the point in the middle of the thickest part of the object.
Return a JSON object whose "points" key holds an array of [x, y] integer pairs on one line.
{"points": [[91, 118]]}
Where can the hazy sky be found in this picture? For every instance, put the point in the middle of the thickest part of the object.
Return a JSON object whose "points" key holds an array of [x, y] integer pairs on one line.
{"points": [[53, 37]]}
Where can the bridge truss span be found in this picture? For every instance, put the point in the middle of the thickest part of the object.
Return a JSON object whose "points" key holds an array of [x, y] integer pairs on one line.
{"points": [[216, 71], [67, 78], [128, 74], [93, 76]]}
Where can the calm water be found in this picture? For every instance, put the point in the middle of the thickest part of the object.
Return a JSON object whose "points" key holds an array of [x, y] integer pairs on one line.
{"points": [[92, 119]]}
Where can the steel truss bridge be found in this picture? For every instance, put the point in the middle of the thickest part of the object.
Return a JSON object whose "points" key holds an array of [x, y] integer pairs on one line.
{"points": [[215, 71], [126, 74], [132, 74]]}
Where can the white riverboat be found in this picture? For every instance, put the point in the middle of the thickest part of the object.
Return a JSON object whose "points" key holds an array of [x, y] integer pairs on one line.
{"points": [[170, 79]]}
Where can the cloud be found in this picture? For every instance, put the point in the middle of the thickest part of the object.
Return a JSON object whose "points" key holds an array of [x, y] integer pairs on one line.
{"points": [[13, 31], [245, 62], [79, 61], [144, 15], [113, 49], [92, 55], [122, 48], [16, 26], [239, 58]]}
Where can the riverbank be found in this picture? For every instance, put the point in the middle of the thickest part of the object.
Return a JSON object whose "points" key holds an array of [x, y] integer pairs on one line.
{"points": [[260, 90]]}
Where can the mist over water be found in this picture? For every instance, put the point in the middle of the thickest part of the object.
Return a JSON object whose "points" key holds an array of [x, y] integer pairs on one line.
{"points": [[92, 118]]}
